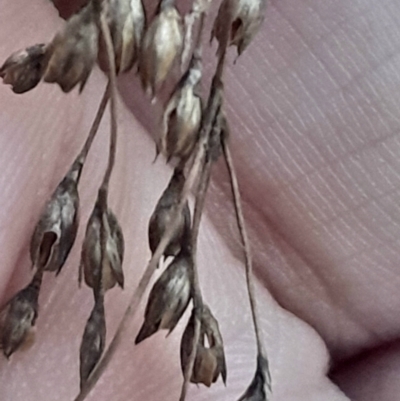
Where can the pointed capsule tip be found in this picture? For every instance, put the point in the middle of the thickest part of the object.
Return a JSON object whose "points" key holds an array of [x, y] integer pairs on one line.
{"points": [[145, 332]]}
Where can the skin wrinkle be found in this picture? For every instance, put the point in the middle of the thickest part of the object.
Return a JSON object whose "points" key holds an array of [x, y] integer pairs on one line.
{"points": [[300, 95]]}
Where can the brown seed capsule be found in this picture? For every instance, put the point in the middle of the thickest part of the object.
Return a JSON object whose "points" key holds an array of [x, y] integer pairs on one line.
{"points": [[162, 44], [93, 340], [163, 214], [210, 359], [182, 116], [168, 298], [24, 69], [73, 51], [56, 230], [241, 19], [19, 316], [111, 273], [260, 386], [126, 19]]}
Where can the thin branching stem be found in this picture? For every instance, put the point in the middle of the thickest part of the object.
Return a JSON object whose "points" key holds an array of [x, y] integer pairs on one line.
{"points": [[103, 191], [77, 166], [95, 126], [246, 244], [113, 99]]}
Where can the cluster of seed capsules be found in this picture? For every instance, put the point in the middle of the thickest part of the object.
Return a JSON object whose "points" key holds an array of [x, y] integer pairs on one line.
{"points": [[152, 48]]}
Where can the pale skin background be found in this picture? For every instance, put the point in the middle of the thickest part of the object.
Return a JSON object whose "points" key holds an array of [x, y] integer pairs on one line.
{"points": [[314, 105]]}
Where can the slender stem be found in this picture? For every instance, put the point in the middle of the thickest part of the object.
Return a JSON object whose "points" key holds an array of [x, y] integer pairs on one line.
{"points": [[96, 123], [246, 245], [113, 88], [76, 168]]}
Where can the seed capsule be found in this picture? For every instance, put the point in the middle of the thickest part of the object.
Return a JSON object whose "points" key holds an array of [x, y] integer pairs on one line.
{"points": [[209, 361], [93, 341], [111, 272], [24, 69], [56, 230], [182, 116], [126, 19], [241, 20], [168, 298], [260, 386], [162, 44], [73, 51], [19, 316], [163, 214]]}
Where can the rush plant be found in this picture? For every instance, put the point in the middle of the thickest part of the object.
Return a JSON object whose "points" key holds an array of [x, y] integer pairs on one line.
{"points": [[195, 132]]}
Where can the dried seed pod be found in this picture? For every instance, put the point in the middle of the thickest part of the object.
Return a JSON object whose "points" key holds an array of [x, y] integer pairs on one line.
{"points": [[19, 316], [209, 361], [24, 69], [126, 19], [56, 230], [163, 214], [111, 272], [73, 51], [241, 20], [93, 340], [260, 386], [168, 298], [182, 116], [162, 44]]}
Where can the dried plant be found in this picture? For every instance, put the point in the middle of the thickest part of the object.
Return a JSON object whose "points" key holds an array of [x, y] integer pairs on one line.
{"points": [[162, 44], [18, 316], [24, 69], [163, 214], [169, 297], [241, 19], [93, 341], [126, 19], [114, 33], [72, 53], [182, 116], [97, 262], [209, 360]]}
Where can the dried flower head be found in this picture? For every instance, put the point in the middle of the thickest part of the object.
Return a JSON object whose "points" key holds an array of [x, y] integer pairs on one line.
{"points": [[163, 215], [260, 386], [24, 69], [162, 44], [209, 361], [168, 298], [18, 316], [182, 116], [93, 340], [126, 19], [241, 19], [111, 271], [73, 51], [56, 230]]}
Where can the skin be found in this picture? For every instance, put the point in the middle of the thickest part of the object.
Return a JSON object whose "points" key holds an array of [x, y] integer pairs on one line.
{"points": [[313, 106]]}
